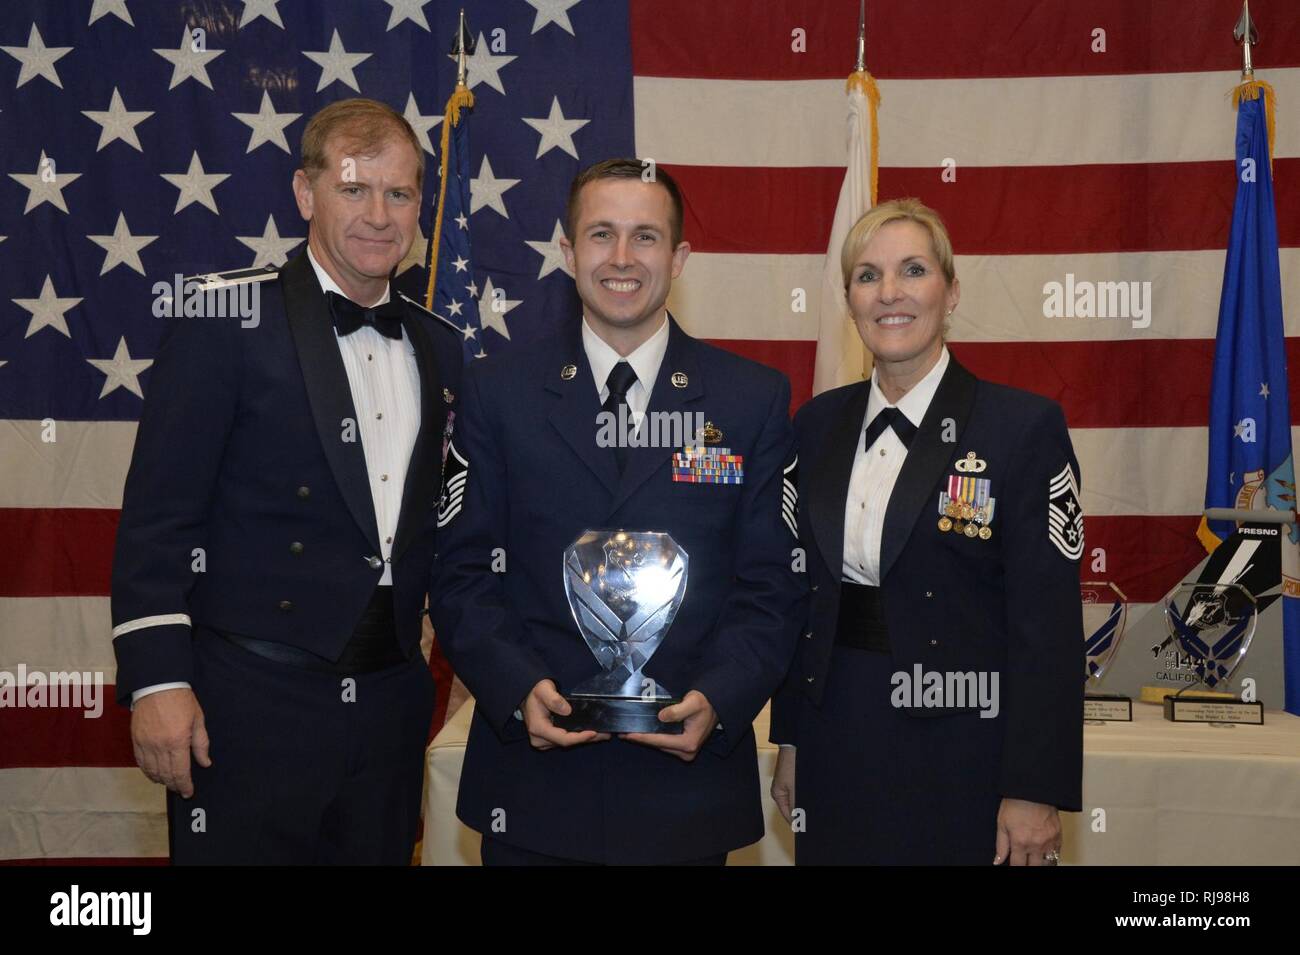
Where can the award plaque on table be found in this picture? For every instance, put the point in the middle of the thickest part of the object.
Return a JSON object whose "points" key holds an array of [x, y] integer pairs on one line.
{"points": [[1105, 613], [1213, 624], [624, 588]]}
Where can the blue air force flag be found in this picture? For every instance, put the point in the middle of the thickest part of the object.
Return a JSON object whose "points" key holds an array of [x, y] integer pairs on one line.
{"points": [[1250, 459]]}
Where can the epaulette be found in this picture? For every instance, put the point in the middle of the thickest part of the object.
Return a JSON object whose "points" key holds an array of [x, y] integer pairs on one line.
{"points": [[216, 280], [434, 315]]}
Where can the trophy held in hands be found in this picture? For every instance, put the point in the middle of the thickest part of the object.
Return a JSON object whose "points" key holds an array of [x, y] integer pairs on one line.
{"points": [[624, 588]]}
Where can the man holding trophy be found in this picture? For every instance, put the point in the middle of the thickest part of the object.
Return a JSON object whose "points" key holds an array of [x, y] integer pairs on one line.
{"points": [[618, 585]]}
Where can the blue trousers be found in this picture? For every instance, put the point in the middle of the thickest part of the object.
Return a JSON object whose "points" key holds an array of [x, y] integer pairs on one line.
{"points": [[306, 768]]}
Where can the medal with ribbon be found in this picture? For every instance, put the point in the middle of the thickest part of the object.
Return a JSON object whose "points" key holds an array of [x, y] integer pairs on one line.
{"points": [[966, 507]]}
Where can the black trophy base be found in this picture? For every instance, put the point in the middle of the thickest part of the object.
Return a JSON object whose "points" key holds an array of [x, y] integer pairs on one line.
{"points": [[1107, 708], [616, 714], [1189, 708]]}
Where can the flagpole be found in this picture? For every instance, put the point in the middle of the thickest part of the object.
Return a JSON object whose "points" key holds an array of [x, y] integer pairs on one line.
{"points": [[1245, 34], [1250, 88], [862, 36], [461, 98], [863, 80], [841, 358], [1251, 465]]}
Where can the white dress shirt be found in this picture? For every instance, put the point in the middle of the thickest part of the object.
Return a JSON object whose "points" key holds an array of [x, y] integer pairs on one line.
{"points": [[645, 361], [385, 383], [875, 471]]}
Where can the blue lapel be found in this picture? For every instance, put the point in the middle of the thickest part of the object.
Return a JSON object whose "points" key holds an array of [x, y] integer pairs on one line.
{"points": [[574, 414]]}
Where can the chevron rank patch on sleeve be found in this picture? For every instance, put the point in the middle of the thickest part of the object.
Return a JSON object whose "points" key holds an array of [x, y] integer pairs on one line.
{"points": [[455, 472], [1065, 514], [790, 496]]}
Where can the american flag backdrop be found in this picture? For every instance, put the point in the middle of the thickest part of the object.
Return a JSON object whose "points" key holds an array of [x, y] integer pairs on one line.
{"points": [[1063, 142]]}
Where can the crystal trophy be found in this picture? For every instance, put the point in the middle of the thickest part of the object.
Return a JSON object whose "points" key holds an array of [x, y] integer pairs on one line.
{"points": [[1105, 614], [624, 588], [1213, 624]]}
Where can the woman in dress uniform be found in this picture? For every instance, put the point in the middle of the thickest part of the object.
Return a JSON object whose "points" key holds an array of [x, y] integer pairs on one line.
{"points": [[934, 711]]}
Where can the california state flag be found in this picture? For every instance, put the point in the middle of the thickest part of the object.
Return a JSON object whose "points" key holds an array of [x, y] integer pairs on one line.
{"points": [[841, 359]]}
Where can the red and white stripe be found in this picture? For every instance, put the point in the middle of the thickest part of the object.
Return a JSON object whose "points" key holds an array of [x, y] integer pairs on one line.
{"points": [[1110, 166], [1114, 166]]}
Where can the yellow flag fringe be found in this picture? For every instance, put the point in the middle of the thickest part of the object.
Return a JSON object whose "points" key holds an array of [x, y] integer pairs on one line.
{"points": [[864, 81], [462, 98], [1253, 89]]}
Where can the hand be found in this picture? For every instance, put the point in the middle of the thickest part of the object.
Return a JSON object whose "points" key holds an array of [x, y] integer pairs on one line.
{"points": [[698, 717], [783, 782], [165, 727], [539, 704], [1026, 830]]}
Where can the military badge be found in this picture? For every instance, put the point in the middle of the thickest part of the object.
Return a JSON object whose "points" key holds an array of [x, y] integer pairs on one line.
{"points": [[699, 464], [455, 472], [1065, 514], [967, 505], [446, 436], [790, 496]]}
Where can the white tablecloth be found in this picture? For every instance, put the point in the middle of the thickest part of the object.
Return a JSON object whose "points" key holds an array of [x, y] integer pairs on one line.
{"points": [[1154, 793]]}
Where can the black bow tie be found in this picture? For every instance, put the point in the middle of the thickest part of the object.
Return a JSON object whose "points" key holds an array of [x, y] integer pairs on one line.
{"points": [[889, 418], [349, 316]]}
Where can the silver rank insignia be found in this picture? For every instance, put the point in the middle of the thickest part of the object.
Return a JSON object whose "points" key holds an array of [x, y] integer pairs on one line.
{"points": [[455, 472], [790, 496], [1065, 514]]}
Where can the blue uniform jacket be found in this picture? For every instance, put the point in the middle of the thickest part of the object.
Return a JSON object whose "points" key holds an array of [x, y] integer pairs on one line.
{"points": [[247, 506], [534, 480], [1009, 603]]}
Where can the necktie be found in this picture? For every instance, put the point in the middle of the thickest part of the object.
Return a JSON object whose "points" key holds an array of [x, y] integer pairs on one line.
{"points": [[620, 381], [889, 418], [349, 316]]}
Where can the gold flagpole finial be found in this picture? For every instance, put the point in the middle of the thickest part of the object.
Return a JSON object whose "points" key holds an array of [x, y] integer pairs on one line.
{"points": [[1245, 34], [464, 44]]}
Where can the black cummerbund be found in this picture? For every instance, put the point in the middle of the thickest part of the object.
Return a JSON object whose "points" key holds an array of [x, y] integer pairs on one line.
{"points": [[373, 645], [374, 639], [861, 623]]}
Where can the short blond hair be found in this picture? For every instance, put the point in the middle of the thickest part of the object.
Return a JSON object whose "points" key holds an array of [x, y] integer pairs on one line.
{"points": [[364, 126], [898, 210]]}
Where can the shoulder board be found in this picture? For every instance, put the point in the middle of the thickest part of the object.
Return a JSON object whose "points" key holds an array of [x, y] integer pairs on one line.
{"points": [[434, 315], [216, 280]]}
